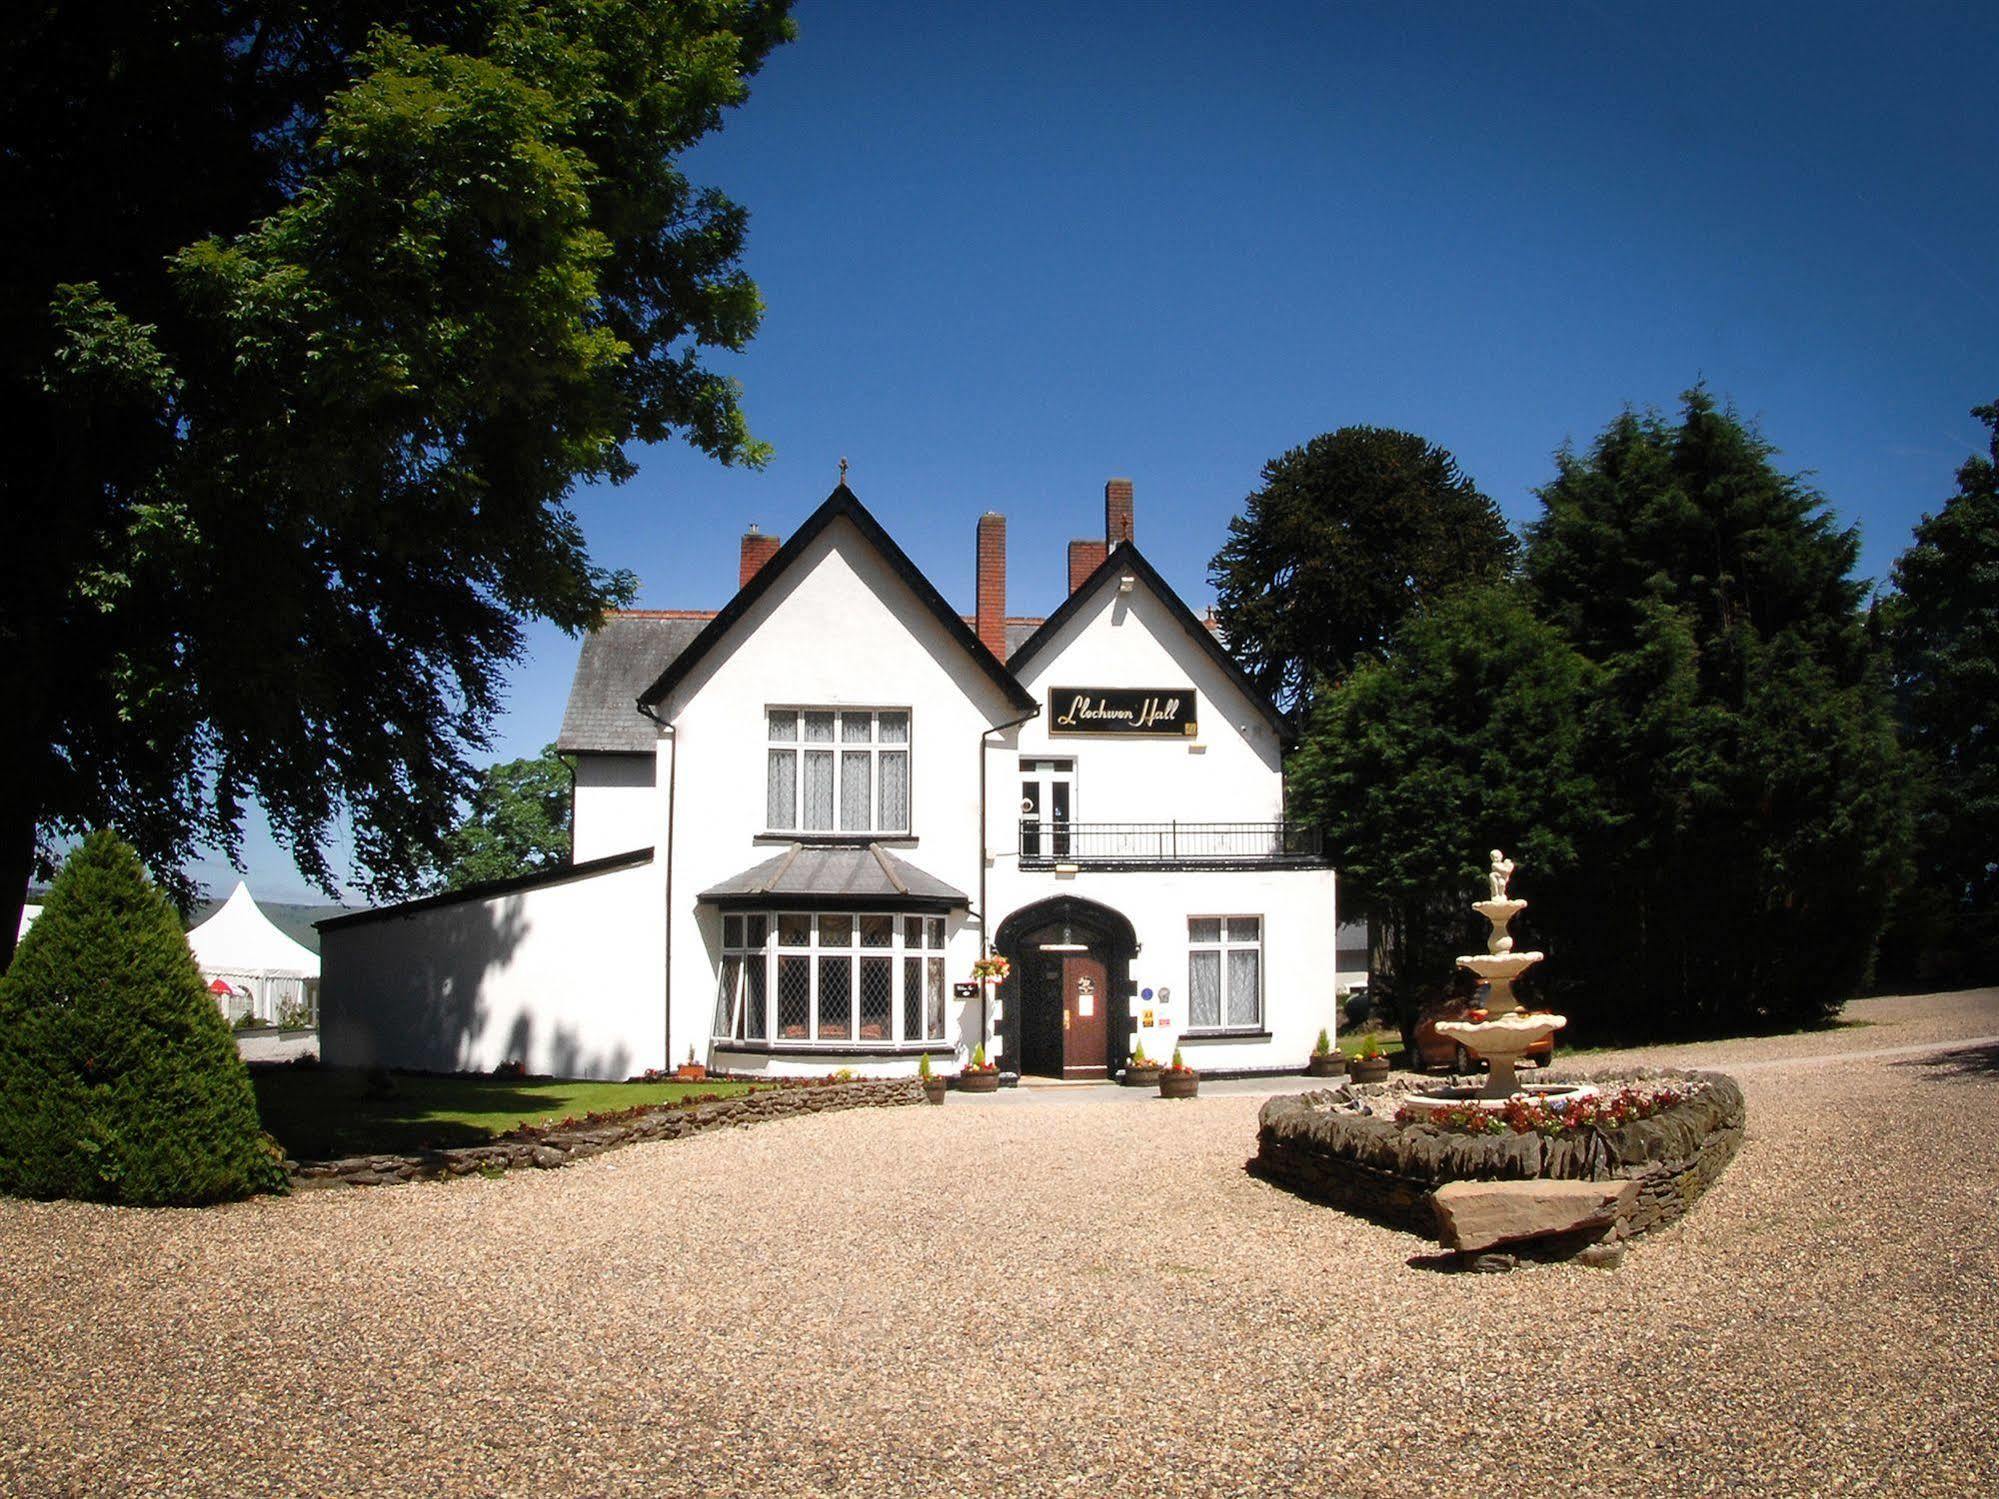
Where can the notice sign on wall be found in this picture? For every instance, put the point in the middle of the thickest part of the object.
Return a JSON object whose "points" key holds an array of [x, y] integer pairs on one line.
{"points": [[1122, 710]]}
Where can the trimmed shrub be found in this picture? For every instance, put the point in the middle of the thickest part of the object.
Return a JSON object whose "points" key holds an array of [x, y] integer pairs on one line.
{"points": [[119, 1079]]}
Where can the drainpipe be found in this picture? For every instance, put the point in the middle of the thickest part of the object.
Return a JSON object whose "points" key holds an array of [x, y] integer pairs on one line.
{"points": [[666, 977], [985, 926]]}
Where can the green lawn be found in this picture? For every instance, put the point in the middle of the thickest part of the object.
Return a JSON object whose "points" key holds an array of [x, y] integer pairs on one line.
{"points": [[320, 1112]]}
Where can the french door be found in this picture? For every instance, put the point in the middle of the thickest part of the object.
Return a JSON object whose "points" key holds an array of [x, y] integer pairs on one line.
{"points": [[1047, 803]]}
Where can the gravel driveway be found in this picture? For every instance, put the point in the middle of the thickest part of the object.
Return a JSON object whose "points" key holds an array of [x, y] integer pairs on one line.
{"points": [[1041, 1297]]}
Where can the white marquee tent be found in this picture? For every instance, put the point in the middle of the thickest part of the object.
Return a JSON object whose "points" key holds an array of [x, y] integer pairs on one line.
{"points": [[270, 976]]}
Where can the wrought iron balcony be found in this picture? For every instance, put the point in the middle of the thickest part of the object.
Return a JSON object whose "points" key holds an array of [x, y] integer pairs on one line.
{"points": [[1149, 845]]}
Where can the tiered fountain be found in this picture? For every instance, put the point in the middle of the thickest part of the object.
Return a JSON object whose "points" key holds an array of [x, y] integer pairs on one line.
{"points": [[1509, 1029]]}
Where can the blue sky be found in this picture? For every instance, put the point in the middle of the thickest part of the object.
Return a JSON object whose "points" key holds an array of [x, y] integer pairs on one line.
{"points": [[1010, 251]]}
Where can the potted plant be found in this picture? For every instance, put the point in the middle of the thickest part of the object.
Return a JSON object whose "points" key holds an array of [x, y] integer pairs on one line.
{"points": [[691, 1071], [1369, 1064], [1141, 1071], [1177, 1079], [992, 969], [933, 1085], [979, 1075], [1324, 1061]]}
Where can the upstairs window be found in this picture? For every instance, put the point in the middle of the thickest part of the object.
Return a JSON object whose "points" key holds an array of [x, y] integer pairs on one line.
{"points": [[837, 770]]}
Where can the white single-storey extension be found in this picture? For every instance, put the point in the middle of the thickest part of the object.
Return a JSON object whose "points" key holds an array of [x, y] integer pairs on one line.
{"points": [[800, 821]]}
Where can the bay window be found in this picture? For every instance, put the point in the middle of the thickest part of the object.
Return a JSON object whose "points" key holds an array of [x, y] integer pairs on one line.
{"points": [[872, 982], [836, 770]]}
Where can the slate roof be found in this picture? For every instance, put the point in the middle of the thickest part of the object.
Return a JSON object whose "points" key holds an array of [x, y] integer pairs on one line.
{"points": [[620, 660], [845, 875]]}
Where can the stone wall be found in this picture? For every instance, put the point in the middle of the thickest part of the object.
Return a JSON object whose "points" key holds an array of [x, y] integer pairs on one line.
{"points": [[546, 1149], [1385, 1172]]}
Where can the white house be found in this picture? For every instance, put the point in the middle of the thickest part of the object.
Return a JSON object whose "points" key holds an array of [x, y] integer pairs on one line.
{"points": [[800, 820]]}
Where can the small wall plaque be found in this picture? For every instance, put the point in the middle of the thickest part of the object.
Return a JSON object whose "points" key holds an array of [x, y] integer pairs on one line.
{"points": [[964, 991]]}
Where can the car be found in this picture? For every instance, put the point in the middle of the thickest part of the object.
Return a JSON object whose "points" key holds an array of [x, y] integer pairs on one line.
{"points": [[1438, 1051]]}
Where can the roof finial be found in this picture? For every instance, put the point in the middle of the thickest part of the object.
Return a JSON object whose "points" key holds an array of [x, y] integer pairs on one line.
{"points": [[843, 473]]}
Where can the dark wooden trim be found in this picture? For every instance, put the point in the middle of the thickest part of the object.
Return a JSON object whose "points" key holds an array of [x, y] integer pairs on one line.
{"points": [[494, 888], [1195, 1038], [830, 1049], [841, 502]]}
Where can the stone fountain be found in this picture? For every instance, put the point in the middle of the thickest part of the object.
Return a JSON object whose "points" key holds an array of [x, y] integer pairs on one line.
{"points": [[1508, 1030]]}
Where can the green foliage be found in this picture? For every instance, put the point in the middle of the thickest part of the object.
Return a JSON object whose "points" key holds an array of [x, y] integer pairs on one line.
{"points": [[1467, 737], [119, 1080], [1751, 812], [1941, 625], [518, 823], [923, 1065], [303, 373], [1138, 1056], [1323, 1047], [1347, 534], [979, 1055]]}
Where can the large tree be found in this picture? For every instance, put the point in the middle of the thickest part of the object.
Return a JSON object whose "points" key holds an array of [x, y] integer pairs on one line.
{"points": [[1347, 534], [311, 316], [1466, 737], [1941, 623], [1740, 735], [517, 823]]}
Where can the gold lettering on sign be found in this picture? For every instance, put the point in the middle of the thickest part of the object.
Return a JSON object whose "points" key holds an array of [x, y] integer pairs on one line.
{"points": [[1110, 710]]}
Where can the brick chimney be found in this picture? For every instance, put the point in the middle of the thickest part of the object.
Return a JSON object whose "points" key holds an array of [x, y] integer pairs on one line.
{"points": [[1084, 557], [757, 550], [991, 606], [1117, 512]]}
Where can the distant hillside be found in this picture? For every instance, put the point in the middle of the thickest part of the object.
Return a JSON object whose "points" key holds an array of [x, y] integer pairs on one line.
{"points": [[294, 921]]}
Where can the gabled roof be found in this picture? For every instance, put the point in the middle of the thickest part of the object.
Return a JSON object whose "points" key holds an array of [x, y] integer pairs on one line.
{"points": [[841, 503], [847, 875], [621, 657], [1126, 558]]}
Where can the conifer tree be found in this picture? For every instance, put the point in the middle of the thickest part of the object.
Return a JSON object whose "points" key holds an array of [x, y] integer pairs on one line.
{"points": [[1741, 738], [1942, 627], [119, 1080]]}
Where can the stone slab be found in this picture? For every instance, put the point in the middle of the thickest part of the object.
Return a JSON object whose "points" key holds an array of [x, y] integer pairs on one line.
{"points": [[1477, 1215]]}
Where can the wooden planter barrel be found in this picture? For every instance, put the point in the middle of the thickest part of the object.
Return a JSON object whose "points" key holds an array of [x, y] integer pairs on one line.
{"points": [[1179, 1084], [978, 1082], [1361, 1071], [1332, 1064], [1141, 1075], [933, 1089]]}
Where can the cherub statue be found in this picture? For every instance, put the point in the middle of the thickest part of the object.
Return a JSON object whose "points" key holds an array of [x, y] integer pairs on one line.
{"points": [[1502, 871]]}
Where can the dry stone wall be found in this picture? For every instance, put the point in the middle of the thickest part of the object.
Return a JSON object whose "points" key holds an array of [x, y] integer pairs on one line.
{"points": [[546, 1149], [1386, 1172]]}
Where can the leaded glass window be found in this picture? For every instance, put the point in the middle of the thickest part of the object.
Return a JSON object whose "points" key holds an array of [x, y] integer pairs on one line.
{"points": [[874, 981]]}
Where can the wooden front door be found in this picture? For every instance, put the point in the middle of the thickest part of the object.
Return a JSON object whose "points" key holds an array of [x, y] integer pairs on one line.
{"points": [[1085, 1016]]}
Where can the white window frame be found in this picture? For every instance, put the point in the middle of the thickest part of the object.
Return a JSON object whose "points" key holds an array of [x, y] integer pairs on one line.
{"points": [[920, 937], [874, 747], [1224, 944]]}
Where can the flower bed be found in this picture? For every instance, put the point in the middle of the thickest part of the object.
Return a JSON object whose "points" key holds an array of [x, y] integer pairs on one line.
{"points": [[1556, 1119], [1345, 1146]]}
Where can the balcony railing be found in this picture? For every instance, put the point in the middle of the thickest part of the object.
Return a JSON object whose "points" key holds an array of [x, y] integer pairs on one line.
{"points": [[1045, 844]]}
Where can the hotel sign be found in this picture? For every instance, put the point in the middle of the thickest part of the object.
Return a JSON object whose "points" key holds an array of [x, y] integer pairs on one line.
{"points": [[1168, 711]]}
